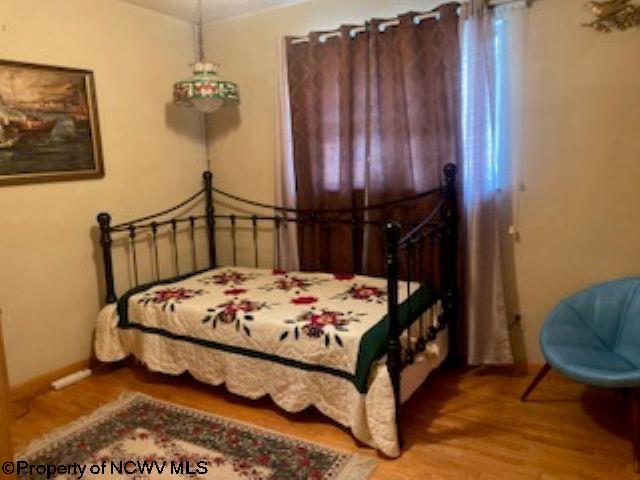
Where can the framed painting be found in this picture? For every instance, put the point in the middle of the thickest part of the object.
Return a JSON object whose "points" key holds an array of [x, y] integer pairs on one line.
{"points": [[49, 127]]}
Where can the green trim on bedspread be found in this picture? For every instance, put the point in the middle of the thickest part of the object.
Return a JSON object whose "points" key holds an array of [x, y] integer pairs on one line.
{"points": [[373, 345]]}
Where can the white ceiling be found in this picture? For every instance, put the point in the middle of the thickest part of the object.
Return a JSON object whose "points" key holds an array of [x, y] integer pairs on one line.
{"points": [[213, 10]]}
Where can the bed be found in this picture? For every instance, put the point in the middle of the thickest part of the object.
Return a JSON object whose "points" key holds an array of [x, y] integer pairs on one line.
{"points": [[352, 345]]}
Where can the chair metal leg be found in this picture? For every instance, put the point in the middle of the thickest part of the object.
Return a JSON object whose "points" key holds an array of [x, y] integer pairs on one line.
{"points": [[635, 426], [536, 380]]}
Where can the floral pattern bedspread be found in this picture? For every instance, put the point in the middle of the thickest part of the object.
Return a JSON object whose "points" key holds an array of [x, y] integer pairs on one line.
{"points": [[314, 321]]}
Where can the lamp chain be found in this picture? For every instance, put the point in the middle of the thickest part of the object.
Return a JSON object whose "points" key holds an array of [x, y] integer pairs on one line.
{"points": [[199, 37]]}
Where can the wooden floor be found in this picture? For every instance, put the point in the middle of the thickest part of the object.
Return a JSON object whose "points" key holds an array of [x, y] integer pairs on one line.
{"points": [[459, 425]]}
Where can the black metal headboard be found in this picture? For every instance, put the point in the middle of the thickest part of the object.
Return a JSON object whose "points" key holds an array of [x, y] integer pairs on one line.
{"points": [[156, 223], [149, 224]]}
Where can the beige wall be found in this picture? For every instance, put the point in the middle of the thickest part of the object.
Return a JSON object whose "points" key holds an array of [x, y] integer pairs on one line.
{"points": [[48, 281], [578, 218], [580, 213]]}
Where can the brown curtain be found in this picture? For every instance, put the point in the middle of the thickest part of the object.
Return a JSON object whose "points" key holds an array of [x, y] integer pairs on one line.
{"points": [[374, 117]]}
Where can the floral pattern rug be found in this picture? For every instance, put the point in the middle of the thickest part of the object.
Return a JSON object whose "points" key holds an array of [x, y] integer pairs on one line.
{"points": [[139, 437]]}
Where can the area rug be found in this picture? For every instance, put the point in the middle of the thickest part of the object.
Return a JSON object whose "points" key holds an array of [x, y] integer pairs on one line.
{"points": [[139, 437]]}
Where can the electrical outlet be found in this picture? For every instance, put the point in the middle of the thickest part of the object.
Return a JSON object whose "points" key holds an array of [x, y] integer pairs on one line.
{"points": [[517, 321]]}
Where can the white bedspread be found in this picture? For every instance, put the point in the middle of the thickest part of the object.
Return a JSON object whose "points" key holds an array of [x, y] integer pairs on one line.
{"points": [[370, 415]]}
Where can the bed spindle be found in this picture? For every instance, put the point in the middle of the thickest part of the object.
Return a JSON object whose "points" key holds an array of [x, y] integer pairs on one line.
{"points": [[254, 224], [174, 235], [134, 256], [313, 221], [421, 344], [434, 316], [410, 354], [354, 244], [383, 262], [277, 223], [154, 244], [302, 251], [233, 239], [192, 235]]}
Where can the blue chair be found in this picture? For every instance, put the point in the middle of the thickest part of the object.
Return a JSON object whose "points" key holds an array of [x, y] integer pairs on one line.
{"points": [[593, 337]]}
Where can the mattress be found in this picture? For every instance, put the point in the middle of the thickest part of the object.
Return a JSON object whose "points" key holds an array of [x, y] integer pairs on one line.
{"points": [[321, 322]]}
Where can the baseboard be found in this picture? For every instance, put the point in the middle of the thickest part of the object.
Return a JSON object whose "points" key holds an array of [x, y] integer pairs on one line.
{"points": [[527, 368], [34, 387], [519, 368], [41, 384]]}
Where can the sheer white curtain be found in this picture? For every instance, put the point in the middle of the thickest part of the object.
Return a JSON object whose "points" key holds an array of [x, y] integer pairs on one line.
{"points": [[493, 46], [286, 239]]}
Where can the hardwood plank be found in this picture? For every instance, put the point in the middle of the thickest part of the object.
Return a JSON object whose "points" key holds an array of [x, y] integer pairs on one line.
{"points": [[460, 424]]}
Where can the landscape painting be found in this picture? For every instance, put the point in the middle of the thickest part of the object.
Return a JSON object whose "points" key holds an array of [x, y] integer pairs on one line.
{"points": [[48, 124]]}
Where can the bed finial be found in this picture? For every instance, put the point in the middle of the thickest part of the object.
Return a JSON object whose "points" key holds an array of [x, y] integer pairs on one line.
{"points": [[450, 173], [104, 221]]}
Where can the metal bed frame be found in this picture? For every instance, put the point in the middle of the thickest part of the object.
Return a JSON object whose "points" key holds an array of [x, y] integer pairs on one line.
{"points": [[435, 236]]}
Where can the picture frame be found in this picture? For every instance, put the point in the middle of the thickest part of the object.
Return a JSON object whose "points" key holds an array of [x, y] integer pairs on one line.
{"points": [[49, 124]]}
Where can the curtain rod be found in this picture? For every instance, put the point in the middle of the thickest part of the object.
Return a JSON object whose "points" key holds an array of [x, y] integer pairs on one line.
{"points": [[417, 20]]}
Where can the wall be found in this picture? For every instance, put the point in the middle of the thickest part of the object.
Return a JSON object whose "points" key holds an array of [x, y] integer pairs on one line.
{"points": [[578, 216], [153, 154]]}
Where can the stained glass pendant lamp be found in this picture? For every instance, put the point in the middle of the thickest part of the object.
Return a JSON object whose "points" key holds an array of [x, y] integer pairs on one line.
{"points": [[204, 91]]}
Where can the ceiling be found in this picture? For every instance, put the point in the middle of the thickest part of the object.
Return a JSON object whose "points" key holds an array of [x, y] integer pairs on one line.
{"points": [[213, 10]]}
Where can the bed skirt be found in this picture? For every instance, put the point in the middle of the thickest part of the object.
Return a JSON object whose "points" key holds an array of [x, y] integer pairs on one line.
{"points": [[369, 416]]}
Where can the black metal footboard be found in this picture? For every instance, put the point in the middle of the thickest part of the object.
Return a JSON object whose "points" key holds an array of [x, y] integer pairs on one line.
{"points": [[423, 254], [438, 228]]}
